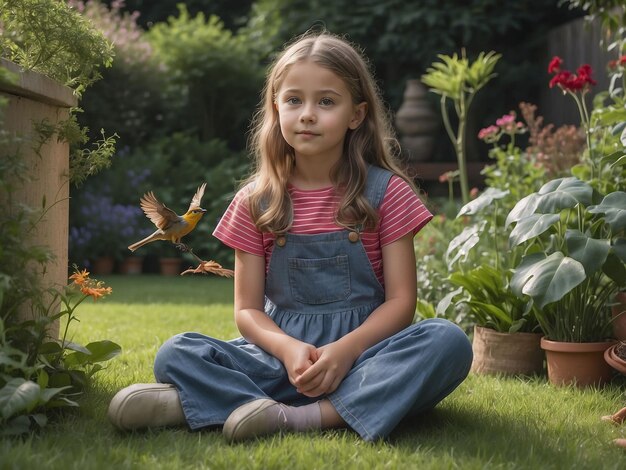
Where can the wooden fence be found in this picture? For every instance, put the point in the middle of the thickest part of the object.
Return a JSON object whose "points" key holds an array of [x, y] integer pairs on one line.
{"points": [[576, 42]]}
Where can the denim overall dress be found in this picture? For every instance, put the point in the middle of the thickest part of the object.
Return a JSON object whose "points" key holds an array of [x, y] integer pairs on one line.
{"points": [[318, 288]]}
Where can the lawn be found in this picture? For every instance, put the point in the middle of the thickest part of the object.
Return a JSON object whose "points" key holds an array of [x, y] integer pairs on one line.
{"points": [[486, 423]]}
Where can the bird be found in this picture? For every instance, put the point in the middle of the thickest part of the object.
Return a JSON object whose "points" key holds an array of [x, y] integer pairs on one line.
{"points": [[170, 226]]}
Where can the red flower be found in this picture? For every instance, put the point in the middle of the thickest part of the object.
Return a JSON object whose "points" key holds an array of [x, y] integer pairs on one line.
{"points": [[560, 78], [555, 64], [569, 81], [622, 60]]}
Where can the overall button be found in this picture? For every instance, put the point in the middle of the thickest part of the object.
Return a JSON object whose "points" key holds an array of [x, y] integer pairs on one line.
{"points": [[281, 241], [353, 237]]}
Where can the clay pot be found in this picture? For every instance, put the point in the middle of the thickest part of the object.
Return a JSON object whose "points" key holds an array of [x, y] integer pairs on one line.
{"points": [[417, 122], [580, 364], [103, 265], [614, 360], [132, 265], [170, 266], [618, 312], [506, 353]]}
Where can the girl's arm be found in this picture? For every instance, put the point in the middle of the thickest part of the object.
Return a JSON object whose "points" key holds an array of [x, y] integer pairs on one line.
{"points": [[395, 314], [256, 326]]}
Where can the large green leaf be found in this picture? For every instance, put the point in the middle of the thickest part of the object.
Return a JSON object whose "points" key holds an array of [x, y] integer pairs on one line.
{"points": [[615, 269], [613, 206], [563, 193], [531, 226], [18, 395], [547, 279], [619, 248], [445, 303], [482, 201], [525, 207], [460, 246], [590, 252], [99, 351]]}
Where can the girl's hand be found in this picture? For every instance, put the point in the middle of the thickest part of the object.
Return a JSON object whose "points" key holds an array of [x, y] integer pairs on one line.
{"points": [[334, 360], [298, 358]]}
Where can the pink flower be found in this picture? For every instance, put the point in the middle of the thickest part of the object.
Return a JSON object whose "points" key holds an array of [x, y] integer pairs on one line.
{"points": [[488, 132], [555, 64], [506, 120]]}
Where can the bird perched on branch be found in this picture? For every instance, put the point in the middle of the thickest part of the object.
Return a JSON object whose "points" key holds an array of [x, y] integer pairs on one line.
{"points": [[170, 226]]}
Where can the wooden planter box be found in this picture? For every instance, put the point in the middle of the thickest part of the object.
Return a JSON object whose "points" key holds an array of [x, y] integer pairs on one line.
{"points": [[35, 98]]}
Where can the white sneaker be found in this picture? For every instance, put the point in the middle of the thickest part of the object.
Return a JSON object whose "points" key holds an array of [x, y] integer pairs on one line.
{"points": [[142, 406]]}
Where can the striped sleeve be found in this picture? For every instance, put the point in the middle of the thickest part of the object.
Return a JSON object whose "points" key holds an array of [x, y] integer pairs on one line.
{"points": [[401, 212], [236, 229]]}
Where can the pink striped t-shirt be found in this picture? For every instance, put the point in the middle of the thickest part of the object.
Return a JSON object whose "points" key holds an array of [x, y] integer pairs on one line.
{"points": [[400, 212]]}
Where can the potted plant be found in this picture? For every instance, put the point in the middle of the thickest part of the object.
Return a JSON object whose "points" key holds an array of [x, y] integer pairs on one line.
{"points": [[573, 266], [572, 232], [505, 331]]}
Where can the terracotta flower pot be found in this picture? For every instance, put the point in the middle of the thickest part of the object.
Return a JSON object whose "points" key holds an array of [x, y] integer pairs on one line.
{"points": [[614, 360], [132, 265], [580, 364], [103, 265], [170, 266], [506, 353]]}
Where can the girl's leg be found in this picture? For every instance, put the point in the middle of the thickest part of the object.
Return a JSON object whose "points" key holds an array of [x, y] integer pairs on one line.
{"points": [[405, 374], [209, 379]]}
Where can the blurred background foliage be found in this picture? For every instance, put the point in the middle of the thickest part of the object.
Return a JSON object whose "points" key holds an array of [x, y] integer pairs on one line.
{"points": [[186, 80]]}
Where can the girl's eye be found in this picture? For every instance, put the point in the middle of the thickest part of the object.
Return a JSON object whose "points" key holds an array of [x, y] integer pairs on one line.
{"points": [[326, 102], [293, 100]]}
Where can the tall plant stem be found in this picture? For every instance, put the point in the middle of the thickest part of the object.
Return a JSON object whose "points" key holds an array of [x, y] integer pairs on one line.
{"points": [[460, 152]]}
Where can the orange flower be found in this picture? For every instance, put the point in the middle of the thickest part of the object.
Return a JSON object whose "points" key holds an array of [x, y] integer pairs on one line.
{"points": [[96, 291], [80, 278]]}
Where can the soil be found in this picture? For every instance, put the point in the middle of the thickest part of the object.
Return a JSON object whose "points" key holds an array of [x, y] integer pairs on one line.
{"points": [[620, 350]]}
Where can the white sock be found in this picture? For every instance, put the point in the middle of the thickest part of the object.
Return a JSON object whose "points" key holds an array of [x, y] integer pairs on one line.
{"points": [[301, 418]]}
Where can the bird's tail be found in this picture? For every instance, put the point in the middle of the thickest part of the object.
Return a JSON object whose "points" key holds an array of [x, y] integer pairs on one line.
{"points": [[141, 243]]}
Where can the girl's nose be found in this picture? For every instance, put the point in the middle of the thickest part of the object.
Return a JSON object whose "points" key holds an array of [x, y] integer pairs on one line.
{"points": [[308, 114]]}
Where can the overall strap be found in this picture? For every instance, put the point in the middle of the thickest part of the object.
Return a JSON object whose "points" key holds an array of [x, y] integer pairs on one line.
{"points": [[376, 185]]}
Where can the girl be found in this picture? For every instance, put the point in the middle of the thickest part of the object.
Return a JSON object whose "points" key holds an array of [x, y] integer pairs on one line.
{"points": [[325, 279]]}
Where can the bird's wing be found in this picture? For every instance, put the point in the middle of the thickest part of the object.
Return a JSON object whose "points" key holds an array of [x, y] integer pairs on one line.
{"points": [[197, 198], [160, 215]]}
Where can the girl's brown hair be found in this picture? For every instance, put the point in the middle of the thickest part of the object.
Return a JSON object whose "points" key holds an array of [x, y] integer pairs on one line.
{"points": [[373, 142]]}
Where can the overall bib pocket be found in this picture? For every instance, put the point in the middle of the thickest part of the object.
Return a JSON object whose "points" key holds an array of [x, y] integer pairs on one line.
{"points": [[319, 280]]}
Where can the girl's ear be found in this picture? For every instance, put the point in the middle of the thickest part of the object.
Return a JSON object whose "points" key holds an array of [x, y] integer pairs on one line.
{"points": [[360, 111]]}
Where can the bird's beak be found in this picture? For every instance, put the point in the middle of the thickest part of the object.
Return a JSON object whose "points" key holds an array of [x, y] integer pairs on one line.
{"points": [[203, 210]]}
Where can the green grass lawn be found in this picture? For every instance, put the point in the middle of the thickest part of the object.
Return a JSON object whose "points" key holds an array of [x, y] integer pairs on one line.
{"points": [[486, 423]]}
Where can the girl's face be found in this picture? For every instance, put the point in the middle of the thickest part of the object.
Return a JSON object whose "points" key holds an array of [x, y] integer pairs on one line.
{"points": [[315, 110]]}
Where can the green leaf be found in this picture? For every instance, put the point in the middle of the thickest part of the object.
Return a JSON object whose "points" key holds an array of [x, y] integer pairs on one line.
{"points": [[482, 201], [619, 248], [425, 309], [613, 206], [524, 208], [18, 395], [17, 426], [590, 252], [614, 268], [563, 193], [99, 351], [460, 246], [531, 227], [444, 303], [51, 347], [76, 347], [547, 279]]}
